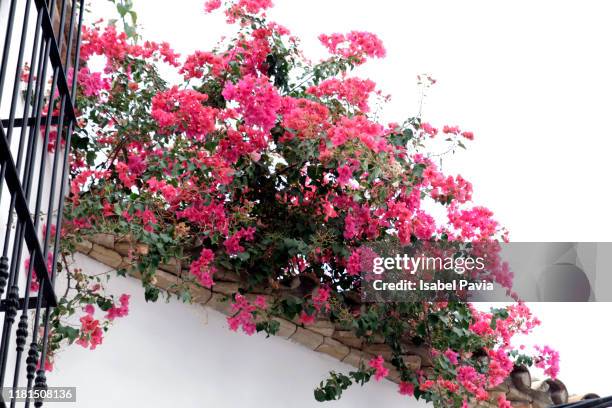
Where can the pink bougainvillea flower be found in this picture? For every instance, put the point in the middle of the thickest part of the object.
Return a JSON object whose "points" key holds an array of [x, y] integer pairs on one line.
{"points": [[380, 371], [202, 268], [305, 318], [356, 45], [548, 360], [120, 310], [243, 315], [258, 100], [428, 129], [406, 388], [183, 110], [90, 333], [89, 309]]}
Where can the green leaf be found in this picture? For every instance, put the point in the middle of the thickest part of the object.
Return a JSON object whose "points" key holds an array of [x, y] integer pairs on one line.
{"points": [[151, 294], [122, 10], [104, 304]]}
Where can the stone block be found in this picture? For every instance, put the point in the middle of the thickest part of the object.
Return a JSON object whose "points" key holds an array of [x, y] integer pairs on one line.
{"points": [[105, 255], [348, 337], [106, 240], [356, 357], [516, 395], [307, 338], [379, 349], [83, 246], [173, 266], [166, 281], [323, 327], [334, 348], [286, 329], [226, 288], [520, 404], [219, 303], [124, 247], [225, 275], [420, 351], [199, 294], [412, 362]]}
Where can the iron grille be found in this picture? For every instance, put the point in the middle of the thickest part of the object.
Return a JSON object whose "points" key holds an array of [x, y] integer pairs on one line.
{"points": [[36, 108]]}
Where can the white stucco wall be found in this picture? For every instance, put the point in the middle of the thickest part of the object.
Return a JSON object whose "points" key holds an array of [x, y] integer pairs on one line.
{"points": [[173, 354]]}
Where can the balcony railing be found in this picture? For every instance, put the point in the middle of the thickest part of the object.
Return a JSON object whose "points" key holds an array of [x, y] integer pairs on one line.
{"points": [[40, 48]]}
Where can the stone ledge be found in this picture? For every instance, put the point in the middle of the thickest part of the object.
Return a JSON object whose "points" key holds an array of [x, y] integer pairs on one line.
{"points": [[321, 336]]}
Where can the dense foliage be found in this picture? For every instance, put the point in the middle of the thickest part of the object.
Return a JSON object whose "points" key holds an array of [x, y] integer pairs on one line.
{"points": [[265, 164]]}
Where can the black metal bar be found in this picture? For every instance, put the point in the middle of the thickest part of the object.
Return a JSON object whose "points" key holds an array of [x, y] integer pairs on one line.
{"points": [[19, 175], [7, 46], [23, 215], [19, 122], [17, 81], [62, 192], [31, 303], [56, 59]]}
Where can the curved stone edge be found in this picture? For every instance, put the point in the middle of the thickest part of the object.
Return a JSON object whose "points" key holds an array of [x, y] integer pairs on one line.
{"points": [[323, 336]]}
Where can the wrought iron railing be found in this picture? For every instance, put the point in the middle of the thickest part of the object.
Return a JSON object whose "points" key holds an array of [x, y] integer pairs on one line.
{"points": [[37, 108]]}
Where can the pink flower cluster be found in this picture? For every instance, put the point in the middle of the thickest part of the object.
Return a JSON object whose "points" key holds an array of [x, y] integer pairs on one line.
{"points": [[115, 47], [232, 244], [406, 388], [502, 402], [358, 128], [456, 131], [473, 382], [500, 366], [320, 300], [305, 118], [380, 371], [211, 217], [354, 91], [429, 129], [452, 356], [244, 313], [353, 266], [202, 268], [120, 310], [446, 188], [91, 332], [183, 111], [548, 360], [238, 8], [92, 83], [473, 224], [258, 99], [356, 45], [194, 65]]}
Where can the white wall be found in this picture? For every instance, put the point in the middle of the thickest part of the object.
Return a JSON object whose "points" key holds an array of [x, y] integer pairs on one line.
{"points": [[173, 354]]}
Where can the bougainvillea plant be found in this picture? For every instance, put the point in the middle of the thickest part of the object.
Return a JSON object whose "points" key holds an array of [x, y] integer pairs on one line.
{"points": [[264, 164]]}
